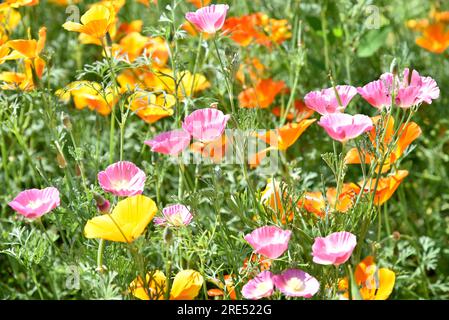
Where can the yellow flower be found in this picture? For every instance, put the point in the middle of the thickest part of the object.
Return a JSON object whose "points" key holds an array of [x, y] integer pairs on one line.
{"points": [[151, 107], [185, 286], [88, 94], [18, 3], [96, 22], [64, 2], [152, 289], [374, 283], [188, 84], [126, 223], [9, 19]]}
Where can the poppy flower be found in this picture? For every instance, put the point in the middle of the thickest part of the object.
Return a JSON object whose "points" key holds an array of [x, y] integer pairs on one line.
{"points": [[298, 112], [153, 288], [208, 19], [214, 150], [206, 124], [257, 28], [176, 215], [296, 283], [434, 38], [386, 186], [122, 179], [272, 198], [199, 3], [185, 286], [30, 51], [315, 202], [89, 94], [252, 70], [96, 22], [269, 241], [126, 223], [151, 107], [325, 101], [170, 142], [262, 95], [18, 3], [334, 249], [280, 139], [373, 283], [34, 203], [343, 127], [259, 287], [407, 133], [228, 286]]}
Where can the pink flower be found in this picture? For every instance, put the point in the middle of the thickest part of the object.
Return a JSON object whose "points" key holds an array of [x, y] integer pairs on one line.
{"points": [[325, 101], [176, 215], [296, 283], [170, 142], [206, 124], [269, 241], [259, 287], [208, 19], [34, 203], [411, 90], [342, 126], [123, 179], [334, 249], [377, 93], [415, 90]]}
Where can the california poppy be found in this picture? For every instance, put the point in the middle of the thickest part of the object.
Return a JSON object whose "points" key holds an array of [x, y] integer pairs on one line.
{"points": [[126, 223], [280, 139], [386, 186], [151, 107], [374, 283], [262, 95], [407, 134]]}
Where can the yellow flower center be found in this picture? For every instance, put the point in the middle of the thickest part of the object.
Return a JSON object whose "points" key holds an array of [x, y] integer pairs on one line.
{"points": [[264, 286], [295, 284], [34, 204]]}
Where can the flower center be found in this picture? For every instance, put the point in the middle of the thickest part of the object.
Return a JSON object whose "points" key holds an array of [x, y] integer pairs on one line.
{"points": [[120, 184], [295, 284], [263, 287], [176, 219], [35, 204]]}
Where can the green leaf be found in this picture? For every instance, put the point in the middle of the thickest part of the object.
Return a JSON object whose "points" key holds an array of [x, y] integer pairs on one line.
{"points": [[372, 41]]}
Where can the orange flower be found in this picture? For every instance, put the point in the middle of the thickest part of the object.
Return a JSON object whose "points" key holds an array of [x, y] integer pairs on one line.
{"points": [[128, 27], [229, 284], [95, 23], [257, 27], [64, 2], [199, 3], [385, 187], [299, 112], [151, 107], [16, 81], [280, 139], [263, 95], [374, 283], [434, 38], [18, 3], [9, 19], [271, 197], [214, 150], [407, 134], [314, 202], [252, 69], [87, 94], [257, 264]]}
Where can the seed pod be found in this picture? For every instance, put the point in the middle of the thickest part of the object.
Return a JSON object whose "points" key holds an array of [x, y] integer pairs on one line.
{"points": [[62, 163], [168, 235]]}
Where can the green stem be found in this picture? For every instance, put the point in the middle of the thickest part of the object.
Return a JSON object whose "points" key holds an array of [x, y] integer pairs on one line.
{"points": [[100, 266]]}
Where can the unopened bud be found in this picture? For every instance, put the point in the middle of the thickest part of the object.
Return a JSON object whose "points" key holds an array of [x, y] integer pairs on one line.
{"points": [[394, 67], [168, 235], [396, 235], [67, 123], [62, 163], [103, 204]]}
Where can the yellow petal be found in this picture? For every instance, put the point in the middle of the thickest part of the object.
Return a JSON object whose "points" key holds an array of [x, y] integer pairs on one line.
{"points": [[126, 223], [186, 285]]}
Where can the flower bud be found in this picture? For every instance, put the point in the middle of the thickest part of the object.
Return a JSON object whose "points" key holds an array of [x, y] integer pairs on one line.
{"points": [[103, 204], [67, 123], [168, 235]]}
